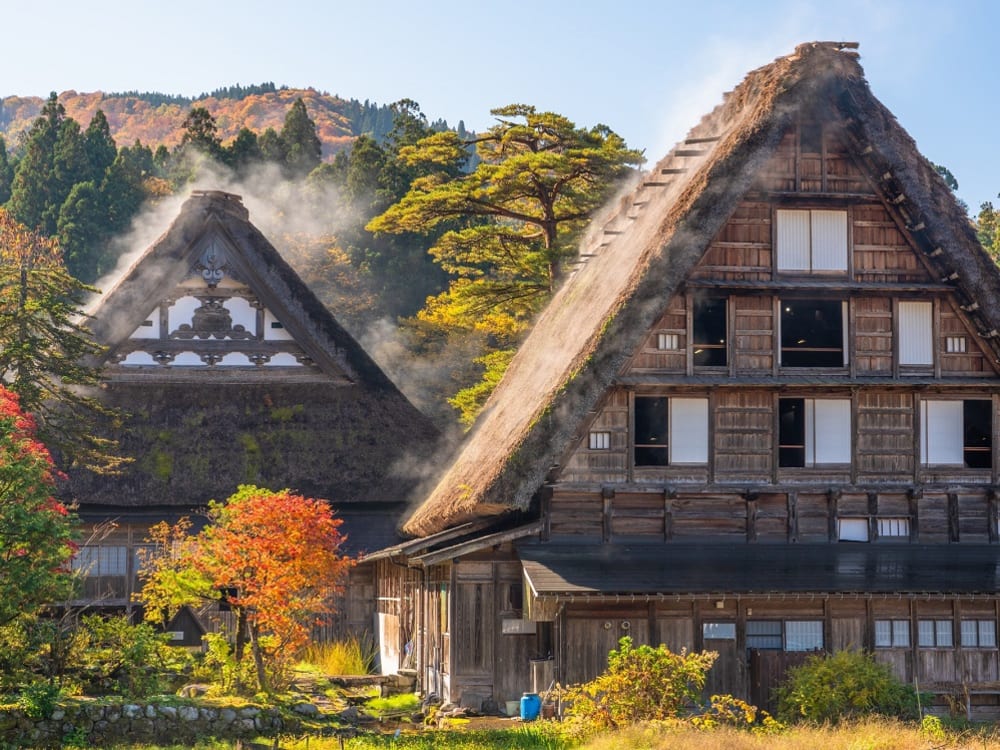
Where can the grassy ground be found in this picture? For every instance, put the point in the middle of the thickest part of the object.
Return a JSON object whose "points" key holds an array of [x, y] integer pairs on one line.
{"points": [[863, 735]]}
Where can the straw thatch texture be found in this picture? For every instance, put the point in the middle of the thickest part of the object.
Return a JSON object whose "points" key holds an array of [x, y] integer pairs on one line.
{"points": [[600, 315]]}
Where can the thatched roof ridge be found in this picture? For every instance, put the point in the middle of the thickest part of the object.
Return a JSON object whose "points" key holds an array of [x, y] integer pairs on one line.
{"points": [[598, 317]]}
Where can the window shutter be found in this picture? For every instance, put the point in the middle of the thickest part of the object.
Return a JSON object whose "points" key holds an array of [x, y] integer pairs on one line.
{"points": [[916, 339], [831, 432], [793, 240], [829, 240], [941, 435], [688, 430]]}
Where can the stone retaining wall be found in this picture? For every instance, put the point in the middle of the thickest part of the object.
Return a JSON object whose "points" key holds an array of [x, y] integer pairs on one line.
{"points": [[101, 725]]}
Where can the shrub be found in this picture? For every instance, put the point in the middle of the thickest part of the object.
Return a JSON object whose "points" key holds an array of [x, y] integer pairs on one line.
{"points": [[728, 711], [842, 685], [640, 684]]}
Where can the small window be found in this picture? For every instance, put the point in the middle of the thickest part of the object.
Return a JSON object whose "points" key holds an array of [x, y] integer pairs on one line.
{"points": [[813, 333], [892, 634], [811, 241], [803, 635], [668, 342], [955, 344], [894, 527], [147, 323], [658, 419], [957, 433], [790, 635], [813, 432], [709, 332], [719, 631], [979, 634], [934, 634], [916, 333], [276, 324], [600, 441], [852, 529], [764, 634]]}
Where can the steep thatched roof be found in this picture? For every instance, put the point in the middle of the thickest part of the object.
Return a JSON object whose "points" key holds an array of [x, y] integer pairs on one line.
{"points": [[597, 319], [335, 427]]}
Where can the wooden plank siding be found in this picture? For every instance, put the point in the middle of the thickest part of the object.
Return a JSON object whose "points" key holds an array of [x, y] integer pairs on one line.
{"points": [[742, 249], [780, 514]]}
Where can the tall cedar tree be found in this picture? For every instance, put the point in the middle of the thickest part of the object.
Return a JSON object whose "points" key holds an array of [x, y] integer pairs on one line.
{"points": [[302, 148], [36, 530], [275, 554], [538, 181], [44, 347], [34, 194], [6, 173]]}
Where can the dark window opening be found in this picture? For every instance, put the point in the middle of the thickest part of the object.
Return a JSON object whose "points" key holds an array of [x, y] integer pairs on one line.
{"points": [[791, 432], [516, 597], [977, 419], [651, 431], [811, 138], [709, 332], [812, 333], [148, 323], [276, 324]]}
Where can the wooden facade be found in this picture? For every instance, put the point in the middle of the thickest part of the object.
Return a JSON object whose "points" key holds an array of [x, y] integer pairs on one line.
{"points": [[762, 418]]}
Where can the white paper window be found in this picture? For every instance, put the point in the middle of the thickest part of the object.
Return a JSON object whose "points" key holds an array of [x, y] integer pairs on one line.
{"points": [[600, 441], [688, 430], [803, 635], [934, 634], [814, 432], [811, 241], [892, 633], [955, 344], [852, 529], [979, 634], [941, 436], [668, 342], [916, 333], [897, 527]]}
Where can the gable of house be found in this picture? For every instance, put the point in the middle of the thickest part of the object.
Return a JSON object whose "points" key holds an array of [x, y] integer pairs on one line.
{"points": [[231, 371], [709, 213]]}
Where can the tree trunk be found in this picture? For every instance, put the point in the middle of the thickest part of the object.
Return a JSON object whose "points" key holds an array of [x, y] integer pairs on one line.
{"points": [[241, 634], [258, 659]]}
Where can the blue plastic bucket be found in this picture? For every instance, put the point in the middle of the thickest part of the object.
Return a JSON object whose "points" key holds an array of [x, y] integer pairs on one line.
{"points": [[531, 704]]}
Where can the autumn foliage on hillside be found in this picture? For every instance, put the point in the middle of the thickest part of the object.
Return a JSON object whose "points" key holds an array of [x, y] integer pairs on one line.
{"points": [[132, 118]]}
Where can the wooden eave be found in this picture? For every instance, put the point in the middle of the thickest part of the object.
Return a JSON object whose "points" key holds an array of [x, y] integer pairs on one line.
{"points": [[479, 543]]}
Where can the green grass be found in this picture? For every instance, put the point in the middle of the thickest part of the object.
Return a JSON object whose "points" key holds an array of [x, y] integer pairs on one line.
{"points": [[404, 702]]}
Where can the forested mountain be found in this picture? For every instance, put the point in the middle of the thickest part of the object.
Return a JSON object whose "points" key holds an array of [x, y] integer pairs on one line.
{"points": [[156, 118], [435, 246]]}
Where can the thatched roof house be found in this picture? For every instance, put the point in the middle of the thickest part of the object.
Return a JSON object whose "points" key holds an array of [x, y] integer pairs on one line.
{"points": [[596, 321], [231, 371]]}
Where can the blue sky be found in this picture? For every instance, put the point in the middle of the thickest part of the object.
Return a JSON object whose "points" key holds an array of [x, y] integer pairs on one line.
{"points": [[647, 69]]}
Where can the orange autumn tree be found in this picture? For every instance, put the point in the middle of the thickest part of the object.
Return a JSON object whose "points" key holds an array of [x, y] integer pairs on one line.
{"points": [[276, 558]]}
